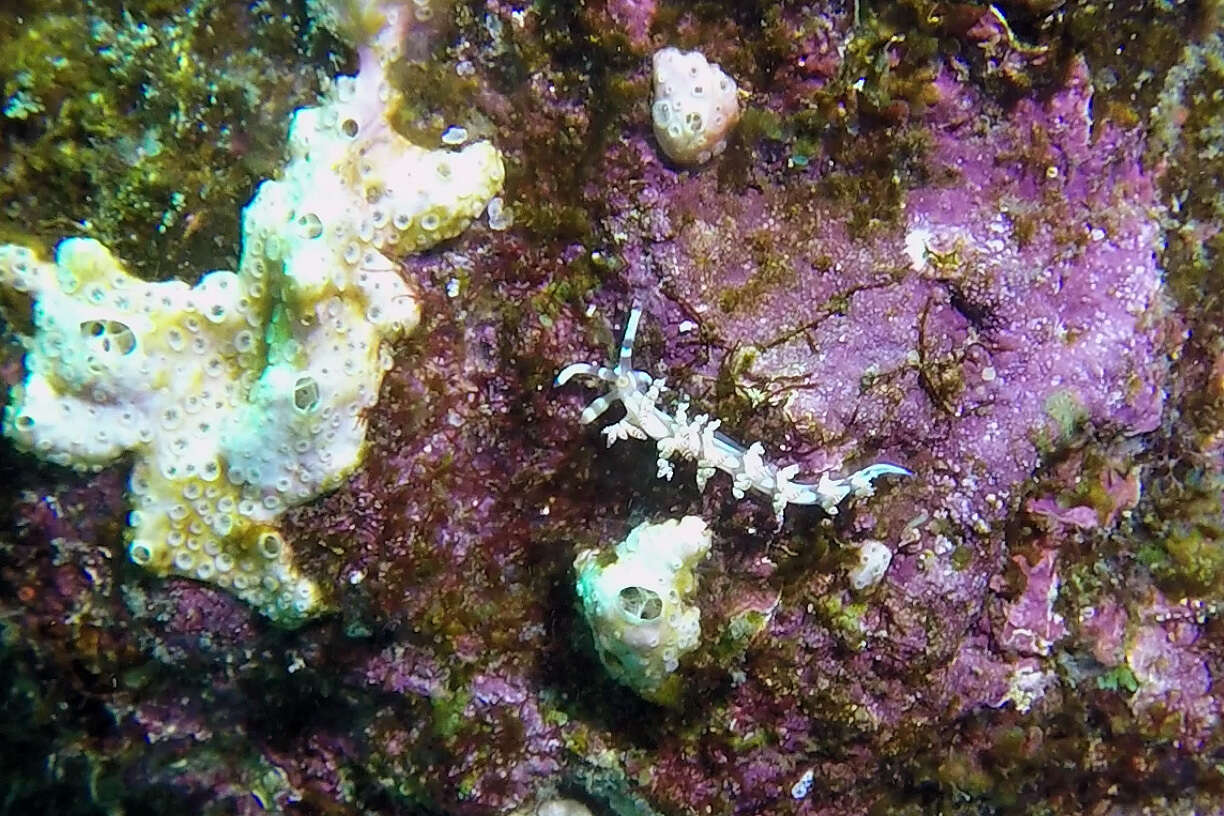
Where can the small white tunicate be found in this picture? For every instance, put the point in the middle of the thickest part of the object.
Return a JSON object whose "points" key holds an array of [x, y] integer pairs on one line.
{"points": [[696, 104], [500, 216], [454, 135], [643, 624]]}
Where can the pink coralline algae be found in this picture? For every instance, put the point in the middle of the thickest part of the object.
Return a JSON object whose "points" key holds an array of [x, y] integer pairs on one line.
{"points": [[1019, 297], [935, 240], [634, 16], [1167, 656], [1031, 625]]}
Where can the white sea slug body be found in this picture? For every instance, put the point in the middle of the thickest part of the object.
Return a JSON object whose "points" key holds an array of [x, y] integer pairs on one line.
{"points": [[695, 106], [698, 438]]}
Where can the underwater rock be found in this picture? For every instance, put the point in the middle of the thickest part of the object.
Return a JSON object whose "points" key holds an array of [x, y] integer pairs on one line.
{"points": [[922, 247]]}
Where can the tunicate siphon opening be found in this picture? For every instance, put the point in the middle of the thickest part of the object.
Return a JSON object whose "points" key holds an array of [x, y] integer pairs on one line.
{"points": [[140, 553], [311, 225], [109, 336], [270, 545], [640, 603], [305, 394]]}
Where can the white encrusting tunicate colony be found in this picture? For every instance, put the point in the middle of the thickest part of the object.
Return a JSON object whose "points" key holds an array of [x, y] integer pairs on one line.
{"points": [[695, 106]]}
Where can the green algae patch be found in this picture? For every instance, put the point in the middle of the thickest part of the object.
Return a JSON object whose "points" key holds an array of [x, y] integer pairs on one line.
{"points": [[1119, 678], [137, 127]]}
